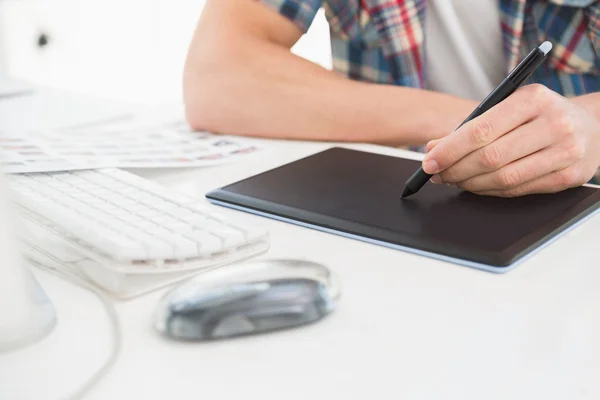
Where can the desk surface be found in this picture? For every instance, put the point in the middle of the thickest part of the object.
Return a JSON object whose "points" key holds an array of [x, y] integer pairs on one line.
{"points": [[406, 327]]}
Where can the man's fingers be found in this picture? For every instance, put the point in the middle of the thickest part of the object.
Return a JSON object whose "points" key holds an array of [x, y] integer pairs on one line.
{"points": [[519, 172], [521, 142], [516, 110], [550, 183], [432, 144]]}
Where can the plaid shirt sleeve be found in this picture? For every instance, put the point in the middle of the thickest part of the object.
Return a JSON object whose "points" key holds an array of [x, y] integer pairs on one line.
{"points": [[593, 14], [300, 12]]}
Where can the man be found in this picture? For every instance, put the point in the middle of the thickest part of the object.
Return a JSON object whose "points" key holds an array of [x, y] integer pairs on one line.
{"points": [[407, 72]]}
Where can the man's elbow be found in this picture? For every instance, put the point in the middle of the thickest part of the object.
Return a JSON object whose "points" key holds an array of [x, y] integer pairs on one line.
{"points": [[200, 94], [196, 120], [199, 116]]}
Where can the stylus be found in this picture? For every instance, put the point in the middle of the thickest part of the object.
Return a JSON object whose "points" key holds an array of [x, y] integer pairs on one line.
{"points": [[508, 86]]}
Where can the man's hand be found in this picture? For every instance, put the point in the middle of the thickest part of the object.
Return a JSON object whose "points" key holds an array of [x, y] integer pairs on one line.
{"points": [[535, 141]]}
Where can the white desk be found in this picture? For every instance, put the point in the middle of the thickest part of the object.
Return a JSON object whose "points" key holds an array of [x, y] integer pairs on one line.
{"points": [[407, 327]]}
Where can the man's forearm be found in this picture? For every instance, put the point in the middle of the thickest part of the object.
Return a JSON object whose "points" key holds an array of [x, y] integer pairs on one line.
{"points": [[259, 88]]}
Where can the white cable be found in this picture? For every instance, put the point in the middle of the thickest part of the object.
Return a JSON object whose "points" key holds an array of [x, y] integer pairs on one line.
{"points": [[115, 330]]}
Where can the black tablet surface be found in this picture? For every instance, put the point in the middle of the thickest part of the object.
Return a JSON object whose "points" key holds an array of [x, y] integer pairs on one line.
{"points": [[357, 194]]}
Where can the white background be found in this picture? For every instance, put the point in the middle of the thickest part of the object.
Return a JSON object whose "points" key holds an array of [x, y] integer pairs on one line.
{"points": [[130, 50]]}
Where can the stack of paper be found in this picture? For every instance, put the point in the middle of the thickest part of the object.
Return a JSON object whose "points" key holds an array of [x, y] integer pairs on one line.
{"points": [[167, 144]]}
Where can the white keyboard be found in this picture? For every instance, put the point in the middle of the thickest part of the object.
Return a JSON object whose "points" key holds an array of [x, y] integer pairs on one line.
{"points": [[133, 225]]}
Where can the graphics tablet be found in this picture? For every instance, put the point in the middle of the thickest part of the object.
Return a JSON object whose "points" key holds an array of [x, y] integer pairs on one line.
{"points": [[357, 194]]}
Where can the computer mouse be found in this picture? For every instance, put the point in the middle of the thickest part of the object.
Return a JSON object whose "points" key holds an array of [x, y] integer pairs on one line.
{"points": [[247, 298]]}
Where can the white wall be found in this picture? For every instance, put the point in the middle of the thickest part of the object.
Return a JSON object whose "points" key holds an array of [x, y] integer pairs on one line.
{"points": [[124, 49]]}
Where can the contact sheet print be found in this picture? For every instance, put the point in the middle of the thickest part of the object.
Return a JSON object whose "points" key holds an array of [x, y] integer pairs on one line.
{"points": [[167, 144]]}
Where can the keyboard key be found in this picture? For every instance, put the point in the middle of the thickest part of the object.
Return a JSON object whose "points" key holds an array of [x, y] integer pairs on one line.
{"points": [[184, 248], [229, 236], [146, 212], [179, 213], [206, 242], [179, 227]]}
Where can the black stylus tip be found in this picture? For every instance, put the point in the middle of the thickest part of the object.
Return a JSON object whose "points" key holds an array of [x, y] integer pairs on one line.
{"points": [[407, 192]]}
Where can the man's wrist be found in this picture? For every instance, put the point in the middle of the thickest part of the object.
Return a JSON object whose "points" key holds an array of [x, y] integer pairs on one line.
{"points": [[442, 119], [591, 103]]}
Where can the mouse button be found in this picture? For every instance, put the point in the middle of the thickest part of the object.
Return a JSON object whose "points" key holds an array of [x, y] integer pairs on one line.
{"points": [[199, 296], [270, 270], [266, 270], [282, 268], [286, 292], [309, 270], [232, 325]]}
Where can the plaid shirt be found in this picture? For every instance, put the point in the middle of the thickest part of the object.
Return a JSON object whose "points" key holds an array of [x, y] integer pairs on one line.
{"points": [[382, 41]]}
